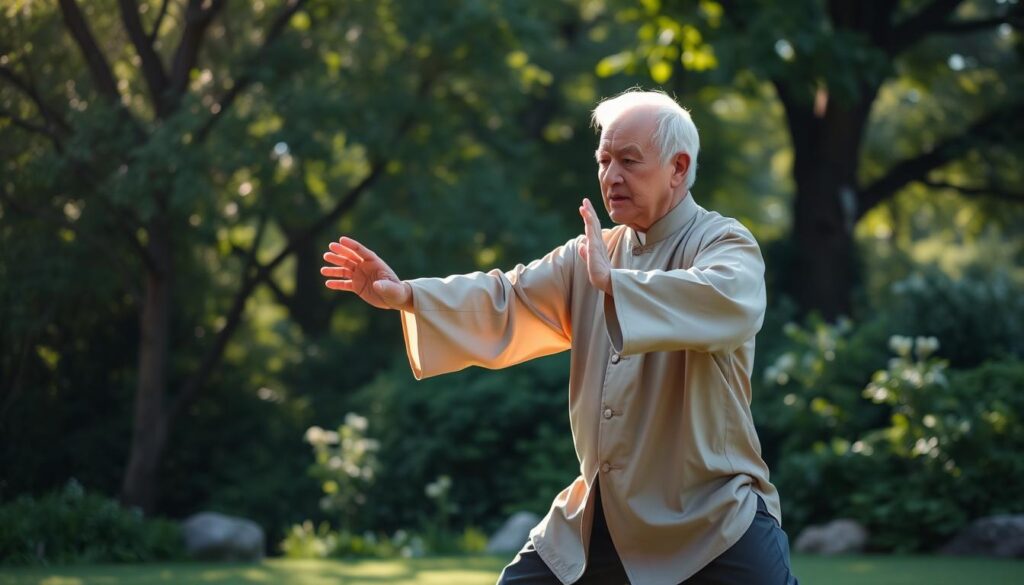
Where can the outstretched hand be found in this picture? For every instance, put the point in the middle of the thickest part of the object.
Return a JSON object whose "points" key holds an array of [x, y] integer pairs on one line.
{"points": [[594, 251], [358, 269]]}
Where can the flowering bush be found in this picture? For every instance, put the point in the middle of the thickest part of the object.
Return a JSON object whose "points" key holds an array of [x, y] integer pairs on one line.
{"points": [[346, 466], [309, 541], [946, 453]]}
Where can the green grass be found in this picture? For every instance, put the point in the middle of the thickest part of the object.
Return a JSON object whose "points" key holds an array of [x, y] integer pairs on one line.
{"points": [[873, 570]]}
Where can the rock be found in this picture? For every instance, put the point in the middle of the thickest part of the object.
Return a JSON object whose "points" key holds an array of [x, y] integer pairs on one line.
{"points": [[513, 534], [841, 536], [993, 536], [215, 537]]}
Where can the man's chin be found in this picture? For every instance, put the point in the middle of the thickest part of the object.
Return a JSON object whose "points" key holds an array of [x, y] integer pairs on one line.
{"points": [[618, 217]]}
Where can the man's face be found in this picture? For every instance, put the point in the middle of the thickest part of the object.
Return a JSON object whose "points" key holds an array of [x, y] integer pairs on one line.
{"points": [[636, 188]]}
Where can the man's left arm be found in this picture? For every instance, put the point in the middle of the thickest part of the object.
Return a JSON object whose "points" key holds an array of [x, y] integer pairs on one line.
{"points": [[717, 304]]}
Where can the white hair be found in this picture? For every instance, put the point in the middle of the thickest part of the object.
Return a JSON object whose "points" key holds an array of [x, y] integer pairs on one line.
{"points": [[674, 132]]}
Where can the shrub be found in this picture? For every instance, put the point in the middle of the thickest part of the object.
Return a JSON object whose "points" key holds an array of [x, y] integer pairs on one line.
{"points": [[501, 437], [977, 317], [948, 453], [346, 467], [73, 526]]}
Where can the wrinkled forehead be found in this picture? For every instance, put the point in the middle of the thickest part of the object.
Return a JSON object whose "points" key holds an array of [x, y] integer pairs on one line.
{"points": [[634, 127]]}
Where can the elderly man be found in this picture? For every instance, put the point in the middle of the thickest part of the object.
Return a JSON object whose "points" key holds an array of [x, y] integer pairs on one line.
{"points": [[660, 313]]}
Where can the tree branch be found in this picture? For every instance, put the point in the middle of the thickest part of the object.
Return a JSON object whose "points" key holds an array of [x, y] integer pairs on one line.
{"points": [[262, 274], [63, 222], [918, 167], [240, 84], [282, 297], [33, 128], [102, 75], [191, 387], [52, 118], [927, 20], [197, 20], [215, 352], [991, 191], [151, 37], [152, 68]]}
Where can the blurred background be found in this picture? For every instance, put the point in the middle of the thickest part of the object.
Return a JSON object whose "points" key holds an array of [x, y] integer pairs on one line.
{"points": [[172, 170]]}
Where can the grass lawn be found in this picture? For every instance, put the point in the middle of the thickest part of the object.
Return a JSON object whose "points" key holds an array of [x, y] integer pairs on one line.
{"points": [[880, 570]]}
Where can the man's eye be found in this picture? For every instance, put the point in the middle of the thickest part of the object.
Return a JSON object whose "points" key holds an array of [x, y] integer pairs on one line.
{"points": [[629, 161]]}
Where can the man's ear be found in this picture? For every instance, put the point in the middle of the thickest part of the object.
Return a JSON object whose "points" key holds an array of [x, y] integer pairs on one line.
{"points": [[680, 165]]}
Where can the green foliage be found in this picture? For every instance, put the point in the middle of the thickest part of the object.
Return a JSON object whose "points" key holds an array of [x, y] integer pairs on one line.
{"points": [[345, 465], [306, 541], [501, 436], [476, 115], [74, 526], [977, 316], [483, 570], [810, 391], [925, 473]]}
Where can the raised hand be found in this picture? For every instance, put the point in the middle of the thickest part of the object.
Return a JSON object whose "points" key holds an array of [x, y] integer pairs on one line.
{"points": [[593, 251], [358, 269]]}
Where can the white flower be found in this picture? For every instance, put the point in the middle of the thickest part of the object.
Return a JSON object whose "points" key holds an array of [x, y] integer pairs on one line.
{"points": [[314, 435], [926, 346], [355, 421], [901, 345]]}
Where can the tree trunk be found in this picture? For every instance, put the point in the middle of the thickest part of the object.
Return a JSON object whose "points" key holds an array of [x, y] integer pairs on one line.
{"points": [[149, 432], [308, 306], [826, 148]]}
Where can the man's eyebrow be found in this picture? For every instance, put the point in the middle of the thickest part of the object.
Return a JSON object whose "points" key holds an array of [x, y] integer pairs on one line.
{"points": [[629, 149]]}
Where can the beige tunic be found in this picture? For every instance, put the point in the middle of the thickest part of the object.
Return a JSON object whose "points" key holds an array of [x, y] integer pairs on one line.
{"points": [[659, 388]]}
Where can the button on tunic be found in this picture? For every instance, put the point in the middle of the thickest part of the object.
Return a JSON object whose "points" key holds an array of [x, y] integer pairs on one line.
{"points": [[659, 389]]}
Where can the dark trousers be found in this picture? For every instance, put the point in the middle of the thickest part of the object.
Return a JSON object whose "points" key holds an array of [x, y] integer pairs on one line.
{"points": [[761, 557]]}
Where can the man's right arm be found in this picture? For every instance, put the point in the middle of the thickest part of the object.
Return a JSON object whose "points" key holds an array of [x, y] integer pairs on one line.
{"points": [[492, 320]]}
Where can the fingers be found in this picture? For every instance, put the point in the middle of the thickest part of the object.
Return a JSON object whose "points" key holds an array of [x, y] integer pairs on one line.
{"points": [[332, 272], [345, 285], [361, 251], [590, 222], [345, 252], [339, 260], [592, 227]]}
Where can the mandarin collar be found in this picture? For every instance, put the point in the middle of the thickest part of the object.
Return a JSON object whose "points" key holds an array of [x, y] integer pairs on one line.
{"points": [[676, 219]]}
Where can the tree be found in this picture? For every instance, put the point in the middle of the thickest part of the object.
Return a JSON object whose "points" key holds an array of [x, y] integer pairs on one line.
{"points": [[178, 160], [828, 62]]}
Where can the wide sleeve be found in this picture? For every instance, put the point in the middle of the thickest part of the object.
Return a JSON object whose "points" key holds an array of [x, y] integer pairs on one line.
{"points": [[717, 304], [494, 319]]}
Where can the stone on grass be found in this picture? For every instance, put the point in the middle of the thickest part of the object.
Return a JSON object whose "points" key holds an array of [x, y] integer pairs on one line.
{"points": [[513, 534], [210, 536], [993, 536], [841, 536]]}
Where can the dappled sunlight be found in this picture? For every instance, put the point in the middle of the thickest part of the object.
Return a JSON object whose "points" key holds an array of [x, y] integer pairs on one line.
{"points": [[483, 570]]}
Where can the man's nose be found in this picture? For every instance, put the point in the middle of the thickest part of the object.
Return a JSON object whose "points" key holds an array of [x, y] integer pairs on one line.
{"points": [[613, 175]]}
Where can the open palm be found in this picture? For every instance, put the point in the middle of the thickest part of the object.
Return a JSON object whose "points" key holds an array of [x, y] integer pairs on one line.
{"points": [[358, 269]]}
